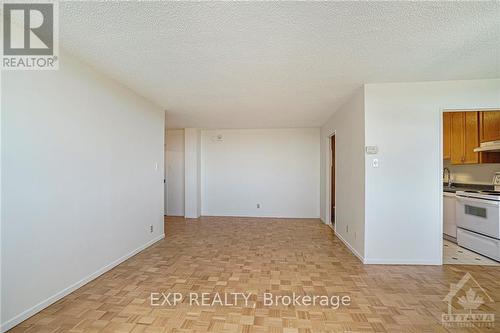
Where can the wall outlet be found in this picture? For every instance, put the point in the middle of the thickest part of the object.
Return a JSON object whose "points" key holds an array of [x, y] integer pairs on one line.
{"points": [[150, 228], [258, 205], [347, 228]]}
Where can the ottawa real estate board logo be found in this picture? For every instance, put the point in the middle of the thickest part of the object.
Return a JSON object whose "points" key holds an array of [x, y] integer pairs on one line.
{"points": [[30, 36], [469, 305]]}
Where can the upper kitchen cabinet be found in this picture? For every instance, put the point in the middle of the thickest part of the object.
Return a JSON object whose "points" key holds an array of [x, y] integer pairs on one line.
{"points": [[471, 137], [465, 131], [457, 137], [447, 135], [489, 129], [464, 137]]}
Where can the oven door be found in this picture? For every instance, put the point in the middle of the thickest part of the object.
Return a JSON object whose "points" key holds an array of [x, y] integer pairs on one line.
{"points": [[478, 215]]}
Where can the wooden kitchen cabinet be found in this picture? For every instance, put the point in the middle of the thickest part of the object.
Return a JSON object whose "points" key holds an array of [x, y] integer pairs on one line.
{"points": [[447, 135], [489, 130], [457, 137], [464, 137], [471, 140], [489, 122], [464, 131]]}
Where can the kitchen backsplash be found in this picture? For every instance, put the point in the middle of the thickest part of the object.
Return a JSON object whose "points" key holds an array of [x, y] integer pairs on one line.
{"points": [[473, 173]]}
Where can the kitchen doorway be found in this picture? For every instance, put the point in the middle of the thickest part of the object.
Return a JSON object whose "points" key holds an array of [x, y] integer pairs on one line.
{"points": [[332, 211], [471, 187]]}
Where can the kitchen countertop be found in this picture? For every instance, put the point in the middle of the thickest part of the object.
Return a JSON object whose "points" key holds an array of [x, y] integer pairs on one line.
{"points": [[466, 187]]}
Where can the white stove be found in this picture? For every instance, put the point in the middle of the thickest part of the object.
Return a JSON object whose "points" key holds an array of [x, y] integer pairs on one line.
{"points": [[488, 195], [478, 220]]}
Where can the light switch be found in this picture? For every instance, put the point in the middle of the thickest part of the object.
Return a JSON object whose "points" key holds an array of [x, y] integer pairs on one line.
{"points": [[375, 163]]}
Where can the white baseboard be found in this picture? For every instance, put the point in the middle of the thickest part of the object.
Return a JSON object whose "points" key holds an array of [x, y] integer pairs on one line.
{"points": [[370, 261], [352, 249], [262, 216], [54, 298]]}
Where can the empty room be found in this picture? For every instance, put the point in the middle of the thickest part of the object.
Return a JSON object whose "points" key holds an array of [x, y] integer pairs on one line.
{"points": [[256, 167]]}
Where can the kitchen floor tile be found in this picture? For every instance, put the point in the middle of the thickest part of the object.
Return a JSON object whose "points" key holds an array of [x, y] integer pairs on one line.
{"points": [[454, 254]]}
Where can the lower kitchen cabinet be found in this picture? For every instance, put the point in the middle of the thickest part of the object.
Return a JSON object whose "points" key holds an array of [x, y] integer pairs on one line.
{"points": [[449, 216]]}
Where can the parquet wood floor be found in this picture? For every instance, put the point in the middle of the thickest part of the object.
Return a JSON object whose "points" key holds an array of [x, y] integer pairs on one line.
{"points": [[214, 254]]}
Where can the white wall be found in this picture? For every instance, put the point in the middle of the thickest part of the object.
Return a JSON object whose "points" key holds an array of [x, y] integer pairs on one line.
{"points": [[277, 168], [192, 172], [79, 184], [348, 125], [403, 195], [174, 157], [473, 174]]}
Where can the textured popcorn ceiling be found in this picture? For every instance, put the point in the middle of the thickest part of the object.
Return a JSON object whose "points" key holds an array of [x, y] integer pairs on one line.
{"points": [[271, 64]]}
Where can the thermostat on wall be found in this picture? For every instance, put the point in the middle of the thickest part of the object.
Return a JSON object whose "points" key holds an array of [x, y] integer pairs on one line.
{"points": [[218, 138], [371, 150]]}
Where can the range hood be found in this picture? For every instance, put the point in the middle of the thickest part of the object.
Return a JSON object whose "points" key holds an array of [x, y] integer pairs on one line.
{"points": [[488, 146]]}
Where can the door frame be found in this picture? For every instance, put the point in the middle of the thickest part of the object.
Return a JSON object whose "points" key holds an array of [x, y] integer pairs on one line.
{"points": [[329, 181]]}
